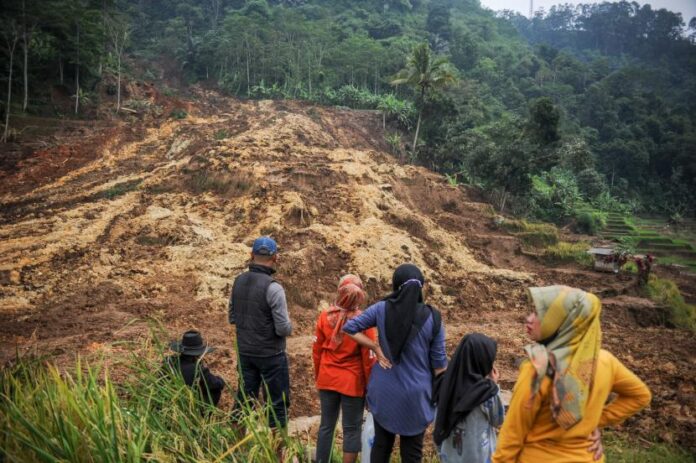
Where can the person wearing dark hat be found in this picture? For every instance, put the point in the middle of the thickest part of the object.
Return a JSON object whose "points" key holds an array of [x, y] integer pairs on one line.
{"points": [[189, 363], [259, 311], [410, 350]]}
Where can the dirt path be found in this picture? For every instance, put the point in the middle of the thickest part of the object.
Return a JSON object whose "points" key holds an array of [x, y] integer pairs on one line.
{"points": [[154, 221]]}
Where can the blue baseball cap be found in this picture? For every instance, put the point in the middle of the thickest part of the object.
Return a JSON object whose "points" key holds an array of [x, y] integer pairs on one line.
{"points": [[264, 246]]}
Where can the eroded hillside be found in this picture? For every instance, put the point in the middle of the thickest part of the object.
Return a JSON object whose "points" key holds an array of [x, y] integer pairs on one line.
{"points": [[153, 219]]}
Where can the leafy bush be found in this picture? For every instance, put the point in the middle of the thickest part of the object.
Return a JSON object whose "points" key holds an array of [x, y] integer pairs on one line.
{"points": [[666, 292], [262, 92], [394, 142], [590, 222], [591, 183], [556, 195], [178, 113]]}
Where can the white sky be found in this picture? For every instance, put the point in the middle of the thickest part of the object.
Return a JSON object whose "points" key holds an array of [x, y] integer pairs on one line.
{"points": [[686, 7]]}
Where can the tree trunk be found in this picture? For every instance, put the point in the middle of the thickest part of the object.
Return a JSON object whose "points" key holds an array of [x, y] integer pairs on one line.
{"points": [[247, 70], [77, 73], [26, 73], [118, 85], [26, 36], [384, 120], [9, 90], [60, 69], [415, 139], [503, 200]]}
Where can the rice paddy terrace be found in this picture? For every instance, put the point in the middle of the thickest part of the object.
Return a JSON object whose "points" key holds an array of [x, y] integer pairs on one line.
{"points": [[671, 244]]}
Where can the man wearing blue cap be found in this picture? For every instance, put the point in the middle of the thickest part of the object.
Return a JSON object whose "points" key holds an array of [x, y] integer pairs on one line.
{"points": [[259, 311]]}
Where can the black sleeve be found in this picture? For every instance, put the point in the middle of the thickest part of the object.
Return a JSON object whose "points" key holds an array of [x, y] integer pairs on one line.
{"points": [[213, 382]]}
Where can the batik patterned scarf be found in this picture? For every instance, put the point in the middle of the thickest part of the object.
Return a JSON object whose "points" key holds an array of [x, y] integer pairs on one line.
{"points": [[351, 296], [570, 319]]}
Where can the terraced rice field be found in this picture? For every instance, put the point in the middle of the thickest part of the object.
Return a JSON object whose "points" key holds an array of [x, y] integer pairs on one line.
{"points": [[671, 245]]}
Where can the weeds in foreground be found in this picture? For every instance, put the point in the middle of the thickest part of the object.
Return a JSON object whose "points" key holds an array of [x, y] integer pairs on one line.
{"points": [[618, 449], [50, 415]]}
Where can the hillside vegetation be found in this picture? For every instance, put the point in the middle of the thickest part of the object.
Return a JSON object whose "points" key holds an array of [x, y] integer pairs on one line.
{"points": [[588, 108]]}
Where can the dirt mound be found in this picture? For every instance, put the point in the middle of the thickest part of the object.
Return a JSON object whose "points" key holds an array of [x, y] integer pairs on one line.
{"points": [[155, 219]]}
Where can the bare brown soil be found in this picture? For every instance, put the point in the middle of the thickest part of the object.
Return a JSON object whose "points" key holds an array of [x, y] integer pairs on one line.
{"points": [[152, 219]]}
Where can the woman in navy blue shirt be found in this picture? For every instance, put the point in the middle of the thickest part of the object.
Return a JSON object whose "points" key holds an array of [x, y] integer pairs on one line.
{"points": [[410, 350]]}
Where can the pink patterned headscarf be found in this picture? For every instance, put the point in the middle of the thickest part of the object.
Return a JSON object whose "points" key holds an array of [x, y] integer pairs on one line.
{"points": [[351, 295]]}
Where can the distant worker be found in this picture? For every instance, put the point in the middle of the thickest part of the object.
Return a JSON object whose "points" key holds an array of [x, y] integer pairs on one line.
{"points": [[560, 399], [191, 366], [259, 311], [469, 407], [411, 348], [341, 370]]}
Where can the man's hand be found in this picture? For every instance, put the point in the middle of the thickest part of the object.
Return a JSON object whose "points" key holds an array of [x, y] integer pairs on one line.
{"points": [[596, 447]]}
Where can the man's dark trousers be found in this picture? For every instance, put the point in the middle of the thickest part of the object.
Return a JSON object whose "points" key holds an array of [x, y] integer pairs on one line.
{"points": [[269, 375]]}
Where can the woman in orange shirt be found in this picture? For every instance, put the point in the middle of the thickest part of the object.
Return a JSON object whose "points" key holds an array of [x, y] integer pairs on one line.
{"points": [[341, 370], [560, 398]]}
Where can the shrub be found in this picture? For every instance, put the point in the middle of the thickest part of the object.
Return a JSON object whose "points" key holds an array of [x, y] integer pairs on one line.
{"points": [[223, 183], [221, 134], [178, 113], [666, 292], [591, 183], [119, 189], [538, 235], [564, 252], [590, 222]]}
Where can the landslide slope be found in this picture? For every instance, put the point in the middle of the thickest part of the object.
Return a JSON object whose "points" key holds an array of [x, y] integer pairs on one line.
{"points": [[154, 219]]}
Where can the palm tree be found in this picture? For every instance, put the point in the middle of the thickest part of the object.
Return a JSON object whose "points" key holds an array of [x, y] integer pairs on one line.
{"points": [[426, 74]]}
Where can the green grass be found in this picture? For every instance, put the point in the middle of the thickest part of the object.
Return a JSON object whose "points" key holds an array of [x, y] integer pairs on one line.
{"points": [[564, 252], [221, 134], [82, 415], [537, 235], [119, 189], [666, 292], [619, 449], [221, 183]]}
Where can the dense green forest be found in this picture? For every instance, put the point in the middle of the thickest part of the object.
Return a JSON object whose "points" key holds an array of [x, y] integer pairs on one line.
{"points": [[565, 116]]}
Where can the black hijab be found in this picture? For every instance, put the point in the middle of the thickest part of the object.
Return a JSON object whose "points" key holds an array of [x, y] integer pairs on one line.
{"points": [[405, 312], [464, 385]]}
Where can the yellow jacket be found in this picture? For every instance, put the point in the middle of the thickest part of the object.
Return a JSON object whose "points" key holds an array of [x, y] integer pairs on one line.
{"points": [[529, 433]]}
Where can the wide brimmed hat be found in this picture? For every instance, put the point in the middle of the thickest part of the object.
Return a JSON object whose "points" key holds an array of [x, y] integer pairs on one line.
{"points": [[191, 343]]}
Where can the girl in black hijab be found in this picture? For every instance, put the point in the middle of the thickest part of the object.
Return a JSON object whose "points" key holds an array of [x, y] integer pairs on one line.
{"points": [[468, 403]]}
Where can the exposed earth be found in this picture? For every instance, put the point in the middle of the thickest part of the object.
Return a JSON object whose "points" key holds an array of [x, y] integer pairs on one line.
{"points": [[103, 229]]}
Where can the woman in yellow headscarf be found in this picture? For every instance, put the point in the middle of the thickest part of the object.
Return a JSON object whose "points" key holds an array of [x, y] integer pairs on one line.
{"points": [[560, 396]]}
